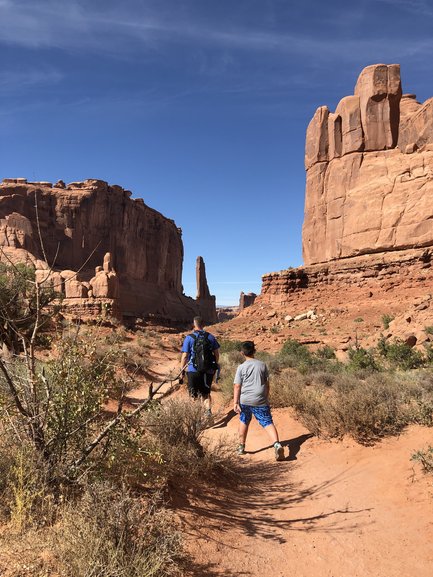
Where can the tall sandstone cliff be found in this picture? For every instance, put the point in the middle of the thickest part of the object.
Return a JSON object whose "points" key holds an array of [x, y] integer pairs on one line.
{"points": [[368, 225], [369, 186], [88, 224]]}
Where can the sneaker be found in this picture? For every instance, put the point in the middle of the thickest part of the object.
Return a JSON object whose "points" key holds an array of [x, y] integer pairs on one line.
{"points": [[241, 450], [279, 452]]}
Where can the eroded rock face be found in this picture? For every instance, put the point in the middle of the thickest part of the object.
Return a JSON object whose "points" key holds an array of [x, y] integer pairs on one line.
{"points": [[369, 180], [246, 300], [206, 302], [86, 226]]}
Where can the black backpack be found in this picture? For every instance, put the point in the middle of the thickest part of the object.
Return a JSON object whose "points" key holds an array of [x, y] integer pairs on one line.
{"points": [[203, 358]]}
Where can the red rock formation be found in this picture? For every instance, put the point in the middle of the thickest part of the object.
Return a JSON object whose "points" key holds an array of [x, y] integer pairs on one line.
{"points": [[206, 301], [86, 224], [246, 300], [364, 194], [368, 226]]}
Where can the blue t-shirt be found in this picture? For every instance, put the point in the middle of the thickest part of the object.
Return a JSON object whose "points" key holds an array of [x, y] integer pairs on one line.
{"points": [[188, 347]]}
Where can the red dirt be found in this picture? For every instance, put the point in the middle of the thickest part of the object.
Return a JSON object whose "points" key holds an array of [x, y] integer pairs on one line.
{"points": [[334, 509]]}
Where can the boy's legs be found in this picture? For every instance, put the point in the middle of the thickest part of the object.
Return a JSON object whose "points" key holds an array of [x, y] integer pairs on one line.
{"points": [[244, 423], [272, 433], [243, 431], [264, 417]]}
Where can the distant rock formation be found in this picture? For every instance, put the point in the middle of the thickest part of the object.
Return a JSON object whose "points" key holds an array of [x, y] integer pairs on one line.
{"points": [[369, 172], [205, 301], [102, 245], [246, 300]]}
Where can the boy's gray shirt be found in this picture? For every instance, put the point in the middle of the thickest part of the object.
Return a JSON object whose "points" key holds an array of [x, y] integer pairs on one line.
{"points": [[252, 375]]}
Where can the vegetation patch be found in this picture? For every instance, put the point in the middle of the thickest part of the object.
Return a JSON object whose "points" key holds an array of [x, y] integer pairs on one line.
{"points": [[378, 392]]}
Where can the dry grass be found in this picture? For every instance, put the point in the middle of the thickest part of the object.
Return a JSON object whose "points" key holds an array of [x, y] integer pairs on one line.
{"points": [[425, 457], [110, 533], [106, 524], [367, 407], [103, 533], [177, 437]]}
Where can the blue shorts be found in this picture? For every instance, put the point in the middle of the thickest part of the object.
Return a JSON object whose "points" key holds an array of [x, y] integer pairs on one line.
{"points": [[262, 414]]}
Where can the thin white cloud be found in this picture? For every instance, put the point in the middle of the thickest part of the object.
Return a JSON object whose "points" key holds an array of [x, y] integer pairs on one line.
{"points": [[421, 7], [13, 80], [74, 26]]}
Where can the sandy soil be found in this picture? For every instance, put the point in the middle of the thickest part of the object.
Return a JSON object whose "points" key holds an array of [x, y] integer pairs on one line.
{"points": [[333, 509]]}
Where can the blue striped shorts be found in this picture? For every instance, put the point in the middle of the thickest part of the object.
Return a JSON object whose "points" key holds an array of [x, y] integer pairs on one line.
{"points": [[262, 414]]}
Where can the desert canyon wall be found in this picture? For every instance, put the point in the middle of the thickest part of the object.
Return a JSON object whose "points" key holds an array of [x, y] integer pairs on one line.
{"points": [[107, 249], [368, 220]]}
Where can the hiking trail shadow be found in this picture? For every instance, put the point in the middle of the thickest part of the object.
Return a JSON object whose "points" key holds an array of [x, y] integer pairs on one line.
{"points": [[258, 506], [225, 420], [294, 446]]}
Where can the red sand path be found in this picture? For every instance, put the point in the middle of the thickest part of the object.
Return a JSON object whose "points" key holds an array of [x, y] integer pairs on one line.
{"points": [[337, 509]]}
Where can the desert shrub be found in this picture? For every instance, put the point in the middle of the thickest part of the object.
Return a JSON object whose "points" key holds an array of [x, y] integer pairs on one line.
{"points": [[61, 411], [227, 346], [177, 428], [425, 457], [429, 330], [111, 533], [296, 355], [400, 355], [417, 395], [428, 353], [361, 359], [323, 378], [371, 408], [325, 352], [285, 387], [386, 320], [366, 408], [229, 361]]}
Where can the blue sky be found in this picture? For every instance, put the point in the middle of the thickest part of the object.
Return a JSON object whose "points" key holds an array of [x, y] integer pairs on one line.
{"points": [[197, 106]]}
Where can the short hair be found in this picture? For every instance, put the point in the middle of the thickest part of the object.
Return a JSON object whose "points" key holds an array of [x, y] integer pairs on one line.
{"points": [[198, 321], [248, 348]]}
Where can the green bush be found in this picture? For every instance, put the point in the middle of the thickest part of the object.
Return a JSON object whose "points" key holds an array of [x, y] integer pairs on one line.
{"points": [[361, 359], [401, 355], [386, 320], [296, 355], [226, 346], [326, 352]]}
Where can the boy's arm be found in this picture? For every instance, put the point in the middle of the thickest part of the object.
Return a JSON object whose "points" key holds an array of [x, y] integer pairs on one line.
{"points": [[267, 388], [236, 397]]}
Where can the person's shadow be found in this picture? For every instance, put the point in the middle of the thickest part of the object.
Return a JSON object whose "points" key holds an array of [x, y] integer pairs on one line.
{"points": [[294, 446], [224, 421]]}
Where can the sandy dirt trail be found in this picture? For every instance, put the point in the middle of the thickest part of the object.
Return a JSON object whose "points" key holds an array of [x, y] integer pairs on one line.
{"points": [[332, 509]]}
